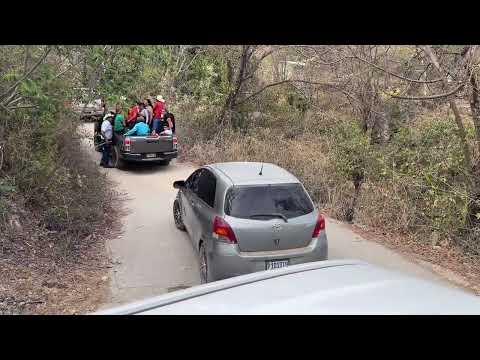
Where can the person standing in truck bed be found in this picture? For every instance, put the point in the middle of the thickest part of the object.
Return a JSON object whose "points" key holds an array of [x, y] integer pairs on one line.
{"points": [[144, 114], [169, 121], [132, 115], [119, 121], [158, 111], [149, 107]]}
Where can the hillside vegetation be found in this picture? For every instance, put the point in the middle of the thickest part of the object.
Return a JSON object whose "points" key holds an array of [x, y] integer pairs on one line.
{"points": [[386, 137]]}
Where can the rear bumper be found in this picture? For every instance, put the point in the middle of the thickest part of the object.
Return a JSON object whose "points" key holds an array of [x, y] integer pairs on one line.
{"points": [[90, 113], [226, 260], [142, 157]]}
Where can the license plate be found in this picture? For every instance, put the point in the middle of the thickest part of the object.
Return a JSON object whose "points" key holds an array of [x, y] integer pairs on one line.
{"points": [[151, 155], [277, 264]]}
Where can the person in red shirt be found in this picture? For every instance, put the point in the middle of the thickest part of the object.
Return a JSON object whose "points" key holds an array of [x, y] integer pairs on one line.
{"points": [[158, 111], [132, 115], [158, 107]]}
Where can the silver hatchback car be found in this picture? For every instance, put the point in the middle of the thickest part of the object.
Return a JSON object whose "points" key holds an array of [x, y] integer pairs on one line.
{"points": [[244, 217]]}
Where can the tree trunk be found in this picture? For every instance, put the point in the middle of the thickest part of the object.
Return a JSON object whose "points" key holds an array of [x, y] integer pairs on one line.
{"points": [[473, 170], [357, 179], [462, 134], [458, 118], [239, 80], [474, 205], [475, 106], [26, 60]]}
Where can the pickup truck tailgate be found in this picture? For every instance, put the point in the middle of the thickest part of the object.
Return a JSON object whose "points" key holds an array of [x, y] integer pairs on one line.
{"points": [[150, 144]]}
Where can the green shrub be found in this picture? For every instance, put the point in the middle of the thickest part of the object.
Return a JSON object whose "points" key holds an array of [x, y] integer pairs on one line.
{"points": [[352, 151], [45, 168]]}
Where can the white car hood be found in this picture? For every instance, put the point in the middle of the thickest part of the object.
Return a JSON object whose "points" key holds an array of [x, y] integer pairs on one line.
{"points": [[328, 287]]}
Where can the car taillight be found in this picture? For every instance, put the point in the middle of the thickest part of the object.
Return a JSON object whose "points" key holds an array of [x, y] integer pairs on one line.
{"points": [[319, 226], [175, 142], [222, 230], [127, 144]]}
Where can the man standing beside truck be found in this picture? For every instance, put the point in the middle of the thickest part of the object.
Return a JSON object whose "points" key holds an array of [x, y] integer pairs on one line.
{"points": [[107, 133]]}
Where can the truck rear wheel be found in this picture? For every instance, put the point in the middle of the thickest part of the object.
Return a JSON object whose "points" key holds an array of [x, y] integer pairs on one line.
{"points": [[164, 162], [117, 160], [97, 140]]}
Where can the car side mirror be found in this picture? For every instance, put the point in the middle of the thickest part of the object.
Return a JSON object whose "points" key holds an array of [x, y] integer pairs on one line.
{"points": [[180, 184]]}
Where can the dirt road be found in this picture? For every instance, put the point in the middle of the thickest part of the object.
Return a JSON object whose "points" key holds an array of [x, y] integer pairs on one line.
{"points": [[152, 257]]}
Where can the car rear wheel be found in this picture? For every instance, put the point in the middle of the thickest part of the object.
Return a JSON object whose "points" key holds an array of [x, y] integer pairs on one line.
{"points": [[177, 216], [203, 264]]}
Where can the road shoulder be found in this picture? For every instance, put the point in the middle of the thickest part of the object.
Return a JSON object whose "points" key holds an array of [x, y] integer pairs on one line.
{"points": [[444, 259]]}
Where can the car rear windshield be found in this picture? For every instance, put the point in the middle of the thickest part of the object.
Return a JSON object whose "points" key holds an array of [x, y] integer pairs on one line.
{"points": [[262, 202]]}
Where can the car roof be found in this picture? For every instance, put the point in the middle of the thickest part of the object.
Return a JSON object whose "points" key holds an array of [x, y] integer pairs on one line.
{"points": [[325, 287], [247, 173]]}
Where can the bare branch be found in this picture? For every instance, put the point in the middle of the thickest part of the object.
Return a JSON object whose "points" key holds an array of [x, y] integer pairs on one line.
{"points": [[326, 85], [438, 96], [10, 98], [24, 107], [5, 108], [259, 61], [61, 73], [260, 91], [319, 60], [397, 75], [14, 86], [13, 102]]}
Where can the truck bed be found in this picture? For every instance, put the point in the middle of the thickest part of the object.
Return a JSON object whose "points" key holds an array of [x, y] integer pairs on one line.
{"points": [[151, 144], [147, 148]]}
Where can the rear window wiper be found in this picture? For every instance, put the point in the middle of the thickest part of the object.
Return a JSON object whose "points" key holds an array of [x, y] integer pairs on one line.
{"points": [[278, 215]]}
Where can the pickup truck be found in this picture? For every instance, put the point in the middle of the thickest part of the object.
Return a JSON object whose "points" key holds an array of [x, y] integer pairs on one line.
{"points": [[88, 110], [160, 149]]}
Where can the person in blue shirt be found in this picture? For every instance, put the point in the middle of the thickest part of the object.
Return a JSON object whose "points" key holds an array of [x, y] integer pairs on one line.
{"points": [[140, 129]]}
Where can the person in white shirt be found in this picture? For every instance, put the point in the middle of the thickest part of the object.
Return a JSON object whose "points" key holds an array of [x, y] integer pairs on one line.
{"points": [[107, 133], [144, 114]]}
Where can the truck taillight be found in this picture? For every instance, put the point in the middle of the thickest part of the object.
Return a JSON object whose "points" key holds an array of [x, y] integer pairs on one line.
{"points": [[319, 226], [221, 230], [126, 144], [175, 142]]}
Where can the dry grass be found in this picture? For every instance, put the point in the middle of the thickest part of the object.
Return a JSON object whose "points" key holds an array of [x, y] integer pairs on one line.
{"points": [[386, 210], [36, 278], [304, 156], [53, 229]]}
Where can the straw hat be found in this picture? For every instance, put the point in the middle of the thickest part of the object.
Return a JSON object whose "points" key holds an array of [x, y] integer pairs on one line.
{"points": [[160, 98]]}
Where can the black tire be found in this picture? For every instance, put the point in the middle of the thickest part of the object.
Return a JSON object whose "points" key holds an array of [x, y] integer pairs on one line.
{"points": [[177, 216], [1, 156], [164, 162], [118, 162], [96, 142], [204, 278]]}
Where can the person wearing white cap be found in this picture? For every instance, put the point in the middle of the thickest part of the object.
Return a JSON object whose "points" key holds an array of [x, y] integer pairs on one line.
{"points": [[107, 133], [158, 110]]}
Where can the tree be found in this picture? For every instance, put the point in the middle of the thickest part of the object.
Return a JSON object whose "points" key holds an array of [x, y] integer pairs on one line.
{"points": [[243, 63]]}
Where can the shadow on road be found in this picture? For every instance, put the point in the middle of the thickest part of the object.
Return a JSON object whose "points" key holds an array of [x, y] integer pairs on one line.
{"points": [[147, 169]]}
